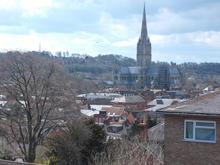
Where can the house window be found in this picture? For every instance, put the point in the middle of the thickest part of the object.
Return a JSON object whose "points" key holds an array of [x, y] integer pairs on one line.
{"points": [[200, 131]]}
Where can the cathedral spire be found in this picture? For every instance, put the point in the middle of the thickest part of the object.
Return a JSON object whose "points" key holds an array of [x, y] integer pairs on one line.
{"points": [[144, 45], [144, 25]]}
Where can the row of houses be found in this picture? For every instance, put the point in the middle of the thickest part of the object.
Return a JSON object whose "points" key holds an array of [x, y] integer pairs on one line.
{"points": [[117, 112], [118, 115], [188, 128]]}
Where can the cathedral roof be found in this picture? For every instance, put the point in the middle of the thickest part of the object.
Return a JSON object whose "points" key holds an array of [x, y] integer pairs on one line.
{"points": [[130, 70], [153, 70], [174, 70]]}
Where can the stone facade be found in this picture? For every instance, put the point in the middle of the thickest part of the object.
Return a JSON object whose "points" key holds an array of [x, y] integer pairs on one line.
{"points": [[144, 46], [180, 152], [146, 74]]}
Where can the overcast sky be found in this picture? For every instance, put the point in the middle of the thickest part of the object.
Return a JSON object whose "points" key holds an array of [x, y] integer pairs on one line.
{"points": [[180, 30]]}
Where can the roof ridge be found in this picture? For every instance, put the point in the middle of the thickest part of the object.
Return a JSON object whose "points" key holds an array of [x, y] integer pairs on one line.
{"points": [[196, 99]]}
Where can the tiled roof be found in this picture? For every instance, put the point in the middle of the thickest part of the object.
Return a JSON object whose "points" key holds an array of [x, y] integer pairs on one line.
{"points": [[114, 111], [129, 99], [130, 118], [206, 105]]}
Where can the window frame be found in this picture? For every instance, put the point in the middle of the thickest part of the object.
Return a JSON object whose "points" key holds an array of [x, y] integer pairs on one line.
{"points": [[194, 130]]}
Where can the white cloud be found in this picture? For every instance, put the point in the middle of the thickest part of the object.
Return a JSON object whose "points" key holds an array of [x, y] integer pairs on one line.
{"points": [[126, 43], [7, 4], [201, 18], [29, 7], [97, 26], [119, 29], [36, 7], [79, 42], [211, 38]]}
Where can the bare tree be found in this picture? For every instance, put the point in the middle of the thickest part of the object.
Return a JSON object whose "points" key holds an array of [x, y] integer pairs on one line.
{"points": [[126, 151], [37, 92]]}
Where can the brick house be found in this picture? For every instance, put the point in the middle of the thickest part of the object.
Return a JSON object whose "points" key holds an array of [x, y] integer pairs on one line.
{"points": [[192, 132]]}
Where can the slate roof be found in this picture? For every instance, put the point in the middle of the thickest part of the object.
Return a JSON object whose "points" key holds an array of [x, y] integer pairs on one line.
{"points": [[130, 70], [158, 104], [206, 105], [153, 70], [174, 70]]}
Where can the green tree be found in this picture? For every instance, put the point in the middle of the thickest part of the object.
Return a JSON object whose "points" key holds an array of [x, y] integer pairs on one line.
{"points": [[76, 143], [96, 142]]}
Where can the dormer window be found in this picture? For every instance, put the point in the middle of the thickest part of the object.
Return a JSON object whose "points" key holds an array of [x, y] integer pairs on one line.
{"points": [[159, 101]]}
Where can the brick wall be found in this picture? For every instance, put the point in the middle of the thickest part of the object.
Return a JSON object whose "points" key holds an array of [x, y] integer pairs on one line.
{"points": [[179, 152]]}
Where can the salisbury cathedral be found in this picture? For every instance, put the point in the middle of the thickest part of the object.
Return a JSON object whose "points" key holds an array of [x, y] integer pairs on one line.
{"points": [[147, 74]]}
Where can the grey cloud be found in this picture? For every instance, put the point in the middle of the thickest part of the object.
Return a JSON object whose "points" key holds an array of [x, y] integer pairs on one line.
{"points": [[75, 15], [166, 21]]}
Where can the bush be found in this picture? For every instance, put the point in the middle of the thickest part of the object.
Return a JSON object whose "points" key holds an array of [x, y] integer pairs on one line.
{"points": [[76, 143]]}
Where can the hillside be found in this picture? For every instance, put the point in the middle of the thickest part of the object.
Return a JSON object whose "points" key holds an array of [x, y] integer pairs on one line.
{"points": [[95, 65], [100, 65]]}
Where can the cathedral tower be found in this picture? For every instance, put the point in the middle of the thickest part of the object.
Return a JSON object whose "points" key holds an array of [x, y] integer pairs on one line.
{"points": [[144, 45]]}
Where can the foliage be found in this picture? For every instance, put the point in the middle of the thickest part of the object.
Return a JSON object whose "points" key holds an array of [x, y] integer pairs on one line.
{"points": [[135, 129], [76, 143], [95, 143], [95, 65], [66, 146], [151, 122]]}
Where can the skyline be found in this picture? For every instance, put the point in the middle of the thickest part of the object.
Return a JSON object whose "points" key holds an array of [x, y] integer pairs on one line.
{"points": [[179, 31]]}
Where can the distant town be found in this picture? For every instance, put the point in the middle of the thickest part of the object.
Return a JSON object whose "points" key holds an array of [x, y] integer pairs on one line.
{"points": [[72, 109]]}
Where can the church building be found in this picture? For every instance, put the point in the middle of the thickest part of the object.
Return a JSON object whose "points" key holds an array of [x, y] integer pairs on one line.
{"points": [[147, 74]]}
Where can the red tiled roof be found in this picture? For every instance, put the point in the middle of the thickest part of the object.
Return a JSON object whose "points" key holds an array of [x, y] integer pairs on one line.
{"points": [[130, 118], [116, 110]]}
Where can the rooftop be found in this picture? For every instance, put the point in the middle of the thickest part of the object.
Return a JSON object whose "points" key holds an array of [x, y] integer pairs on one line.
{"points": [[98, 107], [153, 70], [158, 104], [99, 95], [130, 70], [128, 99], [206, 105], [89, 113], [114, 111]]}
